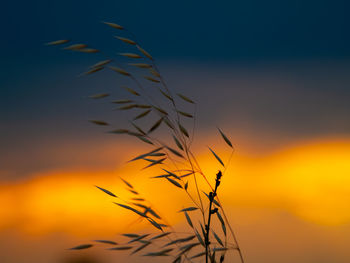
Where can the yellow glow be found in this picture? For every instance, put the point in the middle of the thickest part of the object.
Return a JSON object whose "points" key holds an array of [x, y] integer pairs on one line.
{"points": [[311, 181]]}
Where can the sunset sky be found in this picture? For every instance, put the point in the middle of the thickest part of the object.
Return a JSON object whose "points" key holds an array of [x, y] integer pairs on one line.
{"points": [[274, 75]]}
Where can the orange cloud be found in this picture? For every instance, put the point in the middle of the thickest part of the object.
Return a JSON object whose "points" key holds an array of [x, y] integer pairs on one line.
{"points": [[310, 181]]}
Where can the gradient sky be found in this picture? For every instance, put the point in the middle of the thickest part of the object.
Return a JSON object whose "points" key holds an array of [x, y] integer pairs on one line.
{"points": [[273, 74]]}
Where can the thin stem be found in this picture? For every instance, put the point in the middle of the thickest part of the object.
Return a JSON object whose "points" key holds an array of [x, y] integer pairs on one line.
{"points": [[210, 212]]}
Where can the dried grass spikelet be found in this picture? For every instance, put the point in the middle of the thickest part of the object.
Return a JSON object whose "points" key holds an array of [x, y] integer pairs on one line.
{"points": [[185, 114], [140, 65], [127, 107], [160, 110], [101, 63], [178, 143], [217, 157], [198, 255], [151, 79], [119, 131], [140, 248], [120, 71], [155, 125], [121, 248], [188, 209], [102, 123], [130, 55], [185, 98], [160, 235], [99, 96], [142, 114], [57, 42], [145, 140], [84, 246], [168, 123], [166, 95], [126, 40], [106, 191], [154, 163], [131, 91], [121, 101], [223, 226], [88, 50], [144, 52], [218, 238], [93, 70], [183, 130], [143, 106], [154, 72], [75, 47], [109, 242], [225, 138], [188, 219], [138, 128], [175, 152], [114, 25]]}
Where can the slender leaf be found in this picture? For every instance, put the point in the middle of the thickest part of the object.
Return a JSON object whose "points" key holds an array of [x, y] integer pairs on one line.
{"points": [[146, 154], [106, 191], [127, 183], [218, 239], [138, 238], [174, 151], [185, 114], [159, 253], [131, 209], [142, 114], [131, 235], [188, 209], [102, 123], [178, 143], [106, 242], [185, 98], [217, 157], [189, 221], [223, 226], [144, 140], [198, 255], [160, 235], [154, 223], [121, 248], [225, 138], [140, 247], [199, 237], [174, 182], [99, 96], [156, 125], [184, 131], [154, 163], [122, 101], [84, 246]]}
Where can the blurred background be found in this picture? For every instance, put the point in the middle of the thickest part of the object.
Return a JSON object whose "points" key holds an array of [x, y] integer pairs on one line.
{"points": [[273, 75]]}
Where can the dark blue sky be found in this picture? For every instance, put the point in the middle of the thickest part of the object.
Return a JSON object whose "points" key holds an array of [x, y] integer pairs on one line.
{"points": [[283, 67], [199, 30]]}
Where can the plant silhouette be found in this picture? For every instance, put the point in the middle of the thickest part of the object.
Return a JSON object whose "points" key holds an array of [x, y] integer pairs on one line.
{"points": [[149, 100]]}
